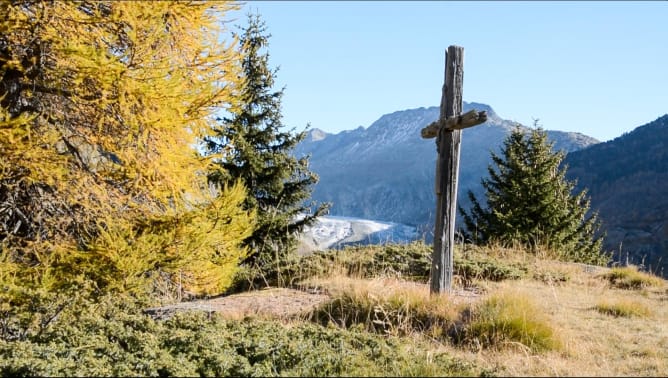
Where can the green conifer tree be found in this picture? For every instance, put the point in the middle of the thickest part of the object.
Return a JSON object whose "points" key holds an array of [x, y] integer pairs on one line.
{"points": [[279, 184], [529, 201]]}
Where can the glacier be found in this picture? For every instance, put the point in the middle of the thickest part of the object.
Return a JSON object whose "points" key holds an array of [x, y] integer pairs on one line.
{"points": [[332, 232]]}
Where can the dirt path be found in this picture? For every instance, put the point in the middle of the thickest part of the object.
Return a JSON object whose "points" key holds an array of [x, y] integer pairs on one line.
{"points": [[273, 302]]}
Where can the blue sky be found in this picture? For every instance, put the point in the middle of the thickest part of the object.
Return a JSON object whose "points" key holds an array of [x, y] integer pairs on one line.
{"points": [[599, 68]]}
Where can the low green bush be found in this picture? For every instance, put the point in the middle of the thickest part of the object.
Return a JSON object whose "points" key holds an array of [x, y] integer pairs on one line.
{"points": [[487, 268], [113, 337], [551, 277], [411, 261], [286, 273]]}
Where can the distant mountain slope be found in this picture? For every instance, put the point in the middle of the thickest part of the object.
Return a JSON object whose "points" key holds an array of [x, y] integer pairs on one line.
{"points": [[386, 171], [628, 182]]}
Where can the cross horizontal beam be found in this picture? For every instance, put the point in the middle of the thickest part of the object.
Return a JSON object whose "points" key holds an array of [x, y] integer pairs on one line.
{"points": [[468, 119]]}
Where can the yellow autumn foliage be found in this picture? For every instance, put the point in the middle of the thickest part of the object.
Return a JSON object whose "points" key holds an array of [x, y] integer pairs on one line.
{"points": [[101, 105]]}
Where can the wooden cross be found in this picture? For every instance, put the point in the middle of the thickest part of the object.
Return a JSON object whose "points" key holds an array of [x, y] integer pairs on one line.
{"points": [[447, 131]]}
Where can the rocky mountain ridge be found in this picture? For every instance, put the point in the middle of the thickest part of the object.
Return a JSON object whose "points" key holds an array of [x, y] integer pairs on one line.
{"points": [[386, 171]]}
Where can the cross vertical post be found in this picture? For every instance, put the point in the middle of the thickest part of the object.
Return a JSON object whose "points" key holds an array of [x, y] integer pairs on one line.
{"points": [[447, 131]]}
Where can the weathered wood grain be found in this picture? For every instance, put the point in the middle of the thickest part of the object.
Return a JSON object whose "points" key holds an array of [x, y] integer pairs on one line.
{"points": [[448, 143], [466, 120]]}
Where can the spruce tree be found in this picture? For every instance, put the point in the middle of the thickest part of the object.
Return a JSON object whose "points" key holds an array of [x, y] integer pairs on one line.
{"points": [[529, 201], [259, 151]]}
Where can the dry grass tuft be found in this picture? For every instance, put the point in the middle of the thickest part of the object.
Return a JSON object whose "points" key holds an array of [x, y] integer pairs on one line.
{"points": [[511, 319], [386, 305], [630, 278], [623, 307]]}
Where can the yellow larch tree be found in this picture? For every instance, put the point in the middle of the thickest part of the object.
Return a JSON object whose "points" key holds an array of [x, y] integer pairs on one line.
{"points": [[101, 105]]}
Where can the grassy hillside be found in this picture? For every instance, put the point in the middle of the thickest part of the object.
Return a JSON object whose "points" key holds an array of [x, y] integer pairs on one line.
{"points": [[510, 313]]}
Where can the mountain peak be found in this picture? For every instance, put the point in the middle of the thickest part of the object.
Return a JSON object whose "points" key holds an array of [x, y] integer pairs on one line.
{"points": [[491, 114], [315, 135]]}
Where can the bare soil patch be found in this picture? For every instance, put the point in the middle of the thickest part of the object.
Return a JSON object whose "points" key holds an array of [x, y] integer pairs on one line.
{"points": [[270, 303]]}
